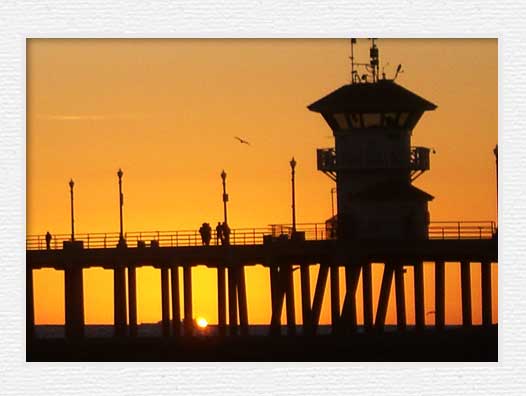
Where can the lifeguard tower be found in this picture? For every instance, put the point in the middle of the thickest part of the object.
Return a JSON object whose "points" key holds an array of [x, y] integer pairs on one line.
{"points": [[373, 162]]}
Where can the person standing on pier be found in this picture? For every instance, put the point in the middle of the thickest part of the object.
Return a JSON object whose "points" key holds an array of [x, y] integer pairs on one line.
{"points": [[219, 233], [226, 234], [48, 240], [206, 233]]}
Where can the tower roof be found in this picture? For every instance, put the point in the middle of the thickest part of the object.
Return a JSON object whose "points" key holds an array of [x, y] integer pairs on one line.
{"points": [[382, 96]]}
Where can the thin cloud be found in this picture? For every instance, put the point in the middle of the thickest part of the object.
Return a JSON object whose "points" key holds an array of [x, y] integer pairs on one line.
{"points": [[91, 117]]}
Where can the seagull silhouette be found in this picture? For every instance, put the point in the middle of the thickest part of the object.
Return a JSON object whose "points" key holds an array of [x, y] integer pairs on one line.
{"points": [[242, 141]]}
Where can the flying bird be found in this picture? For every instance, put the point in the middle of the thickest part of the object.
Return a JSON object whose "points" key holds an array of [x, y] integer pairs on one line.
{"points": [[242, 141]]}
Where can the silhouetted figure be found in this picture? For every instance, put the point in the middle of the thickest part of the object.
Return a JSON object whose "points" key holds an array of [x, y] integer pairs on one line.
{"points": [[48, 240], [219, 233], [206, 233], [226, 234]]}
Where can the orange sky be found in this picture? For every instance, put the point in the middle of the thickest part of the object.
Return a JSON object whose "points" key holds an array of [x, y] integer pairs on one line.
{"points": [[166, 112]]}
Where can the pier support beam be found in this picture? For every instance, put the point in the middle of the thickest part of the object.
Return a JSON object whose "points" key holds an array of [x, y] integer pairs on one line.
{"points": [[165, 301], [418, 274], [440, 295], [383, 301], [289, 293], [221, 300], [400, 297], [348, 318], [319, 292], [176, 301], [242, 299], [367, 288], [187, 286], [74, 301], [277, 294], [335, 297], [132, 300], [305, 299], [232, 300], [119, 300], [465, 278], [485, 274], [30, 305]]}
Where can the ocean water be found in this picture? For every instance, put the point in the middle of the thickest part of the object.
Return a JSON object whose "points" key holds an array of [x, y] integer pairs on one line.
{"points": [[152, 330]]}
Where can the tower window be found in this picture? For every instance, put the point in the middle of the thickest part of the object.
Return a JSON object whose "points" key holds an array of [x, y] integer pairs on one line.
{"points": [[355, 120], [390, 119], [371, 120], [402, 119], [341, 119]]}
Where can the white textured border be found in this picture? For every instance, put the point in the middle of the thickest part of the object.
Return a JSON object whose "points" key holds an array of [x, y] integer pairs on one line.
{"points": [[206, 18]]}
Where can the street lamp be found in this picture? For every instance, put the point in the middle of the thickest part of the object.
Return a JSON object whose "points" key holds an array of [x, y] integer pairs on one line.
{"points": [[71, 184], [225, 195], [496, 153], [121, 201], [292, 168], [333, 191]]}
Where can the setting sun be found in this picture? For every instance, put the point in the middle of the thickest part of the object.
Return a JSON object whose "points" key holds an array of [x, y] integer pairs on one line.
{"points": [[202, 323]]}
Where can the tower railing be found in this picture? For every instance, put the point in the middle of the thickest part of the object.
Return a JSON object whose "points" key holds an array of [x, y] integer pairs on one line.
{"points": [[419, 161], [326, 161], [447, 230]]}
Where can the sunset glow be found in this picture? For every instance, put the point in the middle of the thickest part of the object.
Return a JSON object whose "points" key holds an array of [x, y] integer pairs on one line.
{"points": [[202, 322]]}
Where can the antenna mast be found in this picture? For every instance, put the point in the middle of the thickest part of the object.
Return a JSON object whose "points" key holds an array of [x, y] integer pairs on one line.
{"points": [[374, 60], [353, 41]]}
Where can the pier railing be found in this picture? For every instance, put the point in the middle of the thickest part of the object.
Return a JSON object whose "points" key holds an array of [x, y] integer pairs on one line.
{"points": [[246, 236]]}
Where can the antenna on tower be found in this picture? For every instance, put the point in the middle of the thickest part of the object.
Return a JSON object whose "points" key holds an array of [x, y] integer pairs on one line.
{"points": [[353, 72], [373, 52], [398, 70]]}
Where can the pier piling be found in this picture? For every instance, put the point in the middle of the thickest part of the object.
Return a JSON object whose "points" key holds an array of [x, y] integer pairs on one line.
{"points": [[401, 321], [74, 301], [176, 301], [335, 297], [383, 301], [132, 300], [440, 295], [367, 289], [165, 302], [232, 300], [418, 276], [465, 277], [485, 270], [242, 300], [305, 298], [187, 286], [119, 300], [289, 293], [221, 299]]}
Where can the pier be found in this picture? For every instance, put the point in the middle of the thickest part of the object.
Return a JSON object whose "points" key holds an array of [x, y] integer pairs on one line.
{"points": [[466, 243]]}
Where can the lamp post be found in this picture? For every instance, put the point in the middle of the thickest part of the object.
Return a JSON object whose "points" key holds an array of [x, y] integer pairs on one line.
{"points": [[71, 184], [225, 195], [292, 168], [121, 201], [333, 191], [496, 153]]}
